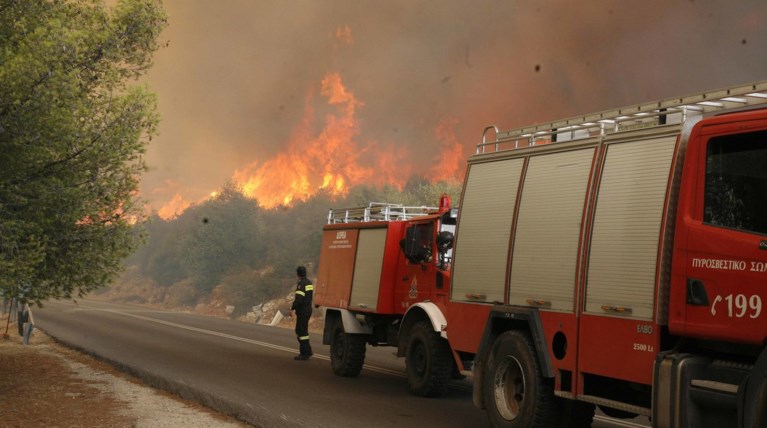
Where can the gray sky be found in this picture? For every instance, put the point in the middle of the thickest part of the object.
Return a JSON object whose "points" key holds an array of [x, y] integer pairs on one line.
{"points": [[411, 84]]}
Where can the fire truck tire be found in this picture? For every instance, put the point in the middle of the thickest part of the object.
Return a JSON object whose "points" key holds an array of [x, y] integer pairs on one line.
{"points": [[347, 351], [429, 362], [515, 392]]}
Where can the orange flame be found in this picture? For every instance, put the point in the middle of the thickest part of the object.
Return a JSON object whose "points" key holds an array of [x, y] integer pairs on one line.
{"points": [[329, 160], [174, 207], [451, 154], [332, 159]]}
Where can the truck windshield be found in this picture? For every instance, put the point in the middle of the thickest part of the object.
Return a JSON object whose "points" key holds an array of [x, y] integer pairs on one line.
{"points": [[736, 182], [417, 244]]}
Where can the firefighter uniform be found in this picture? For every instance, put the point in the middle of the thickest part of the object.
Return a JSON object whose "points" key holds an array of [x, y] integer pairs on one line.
{"points": [[302, 304]]}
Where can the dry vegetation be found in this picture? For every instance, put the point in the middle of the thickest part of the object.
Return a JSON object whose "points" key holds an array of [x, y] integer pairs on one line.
{"points": [[44, 384]]}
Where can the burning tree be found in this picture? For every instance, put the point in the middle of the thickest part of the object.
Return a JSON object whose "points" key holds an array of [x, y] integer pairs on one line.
{"points": [[72, 131]]}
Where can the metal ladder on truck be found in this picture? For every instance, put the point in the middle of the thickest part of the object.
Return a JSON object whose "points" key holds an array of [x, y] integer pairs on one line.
{"points": [[639, 116], [377, 211]]}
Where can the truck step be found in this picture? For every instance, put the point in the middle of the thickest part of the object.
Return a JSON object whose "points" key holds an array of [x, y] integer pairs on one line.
{"points": [[468, 373], [639, 410], [713, 394], [715, 386]]}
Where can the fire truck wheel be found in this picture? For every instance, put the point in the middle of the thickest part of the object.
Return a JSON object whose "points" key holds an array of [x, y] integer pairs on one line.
{"points": [[347, 351], [516, 393], [429, 362]]}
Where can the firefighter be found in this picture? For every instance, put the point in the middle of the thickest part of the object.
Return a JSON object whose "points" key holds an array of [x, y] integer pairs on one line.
{"points": [[302, 305]]}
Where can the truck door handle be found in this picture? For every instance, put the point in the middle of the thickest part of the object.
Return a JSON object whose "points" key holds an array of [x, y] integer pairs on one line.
{"points": [[624, 310], [763, 245], [696, 292], [539, 303]]}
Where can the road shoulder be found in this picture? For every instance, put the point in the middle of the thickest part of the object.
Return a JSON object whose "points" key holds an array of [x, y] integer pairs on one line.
{"points": [[46, 384]]}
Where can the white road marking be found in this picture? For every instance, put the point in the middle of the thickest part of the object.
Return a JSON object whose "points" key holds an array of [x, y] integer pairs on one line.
{"points": [[229, 336]]}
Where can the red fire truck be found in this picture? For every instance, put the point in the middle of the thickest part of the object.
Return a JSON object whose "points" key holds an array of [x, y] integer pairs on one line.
{"points": [[383, 280], [616, 259]]}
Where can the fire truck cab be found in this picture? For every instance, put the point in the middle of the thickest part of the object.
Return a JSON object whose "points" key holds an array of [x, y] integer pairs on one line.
{"points": [[384, 280]]}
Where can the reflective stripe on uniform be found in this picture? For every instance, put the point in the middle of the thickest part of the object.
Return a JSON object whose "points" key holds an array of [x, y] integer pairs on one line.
{"points": [[309, 287], [300, 292], [303, 337]]}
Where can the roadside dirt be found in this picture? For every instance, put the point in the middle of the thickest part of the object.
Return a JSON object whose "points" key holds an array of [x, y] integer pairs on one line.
{"points": [[45, 384]]}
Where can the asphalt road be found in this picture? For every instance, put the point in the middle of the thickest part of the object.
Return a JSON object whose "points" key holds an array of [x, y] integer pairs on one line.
{"points": [[247, 370]]}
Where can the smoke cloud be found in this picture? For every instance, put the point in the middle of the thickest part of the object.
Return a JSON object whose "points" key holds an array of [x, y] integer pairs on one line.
{"points": [[240, 83]]}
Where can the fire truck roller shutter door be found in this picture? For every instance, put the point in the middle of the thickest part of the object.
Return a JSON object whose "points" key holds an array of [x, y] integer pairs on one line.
{"points": [[627, 225], [484, 230], [367, 269], [548, 229]]}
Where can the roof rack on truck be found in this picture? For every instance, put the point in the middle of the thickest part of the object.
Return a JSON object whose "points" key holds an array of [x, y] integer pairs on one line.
{"points": [[659, 113], [377, 211]]}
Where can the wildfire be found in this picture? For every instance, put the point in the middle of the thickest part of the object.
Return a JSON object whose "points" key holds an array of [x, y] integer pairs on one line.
{"points": [[451, 153], [328, 160], [334, 158], [172, 209]]}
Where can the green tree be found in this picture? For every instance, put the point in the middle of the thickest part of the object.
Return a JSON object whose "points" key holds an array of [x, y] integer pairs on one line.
{"points": [[416, 192], [227, 234], [429, 193], [294, 234], [160, 257], [73, 128]]}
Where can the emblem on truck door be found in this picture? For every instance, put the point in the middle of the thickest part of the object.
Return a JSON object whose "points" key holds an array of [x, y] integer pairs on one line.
{"points": [[413, 289]]}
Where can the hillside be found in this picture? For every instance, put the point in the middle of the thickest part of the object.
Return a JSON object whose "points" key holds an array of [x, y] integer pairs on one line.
{"points": [[130, 288]]}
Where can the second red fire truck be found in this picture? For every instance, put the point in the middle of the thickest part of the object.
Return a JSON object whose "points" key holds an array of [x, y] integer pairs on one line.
{"points": [[616, 259]]}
